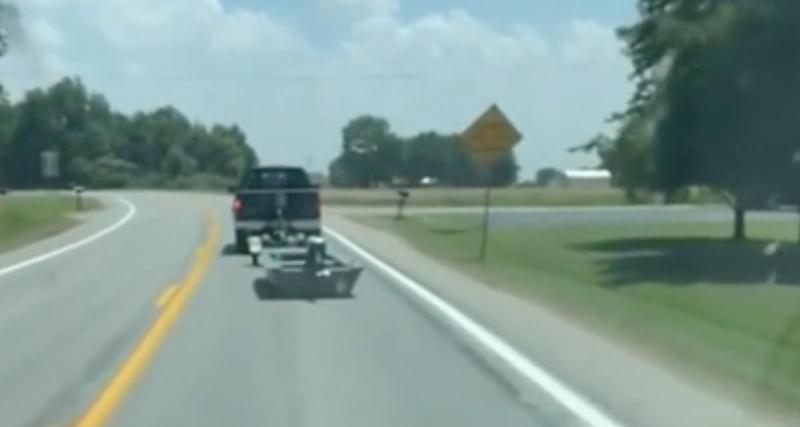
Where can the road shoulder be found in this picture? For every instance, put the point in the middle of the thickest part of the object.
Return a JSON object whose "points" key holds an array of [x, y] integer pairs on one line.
{"points": [[87, 224], [631, 388]]}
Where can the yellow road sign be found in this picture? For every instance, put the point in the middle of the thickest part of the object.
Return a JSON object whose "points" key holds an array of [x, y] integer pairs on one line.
{"points": [[490, 136]]}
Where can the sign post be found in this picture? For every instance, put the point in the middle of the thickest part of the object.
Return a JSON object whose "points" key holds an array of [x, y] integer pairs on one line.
{"points": [[487, 201], [490, 137]]}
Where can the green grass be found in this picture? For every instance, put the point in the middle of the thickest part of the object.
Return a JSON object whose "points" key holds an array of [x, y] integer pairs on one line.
{"points": [[24, 219], [425, 197], [517, 196], [685, 293]]}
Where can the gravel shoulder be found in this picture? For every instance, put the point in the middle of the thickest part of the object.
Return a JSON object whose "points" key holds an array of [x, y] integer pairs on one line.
{"points": [[628, 386]]}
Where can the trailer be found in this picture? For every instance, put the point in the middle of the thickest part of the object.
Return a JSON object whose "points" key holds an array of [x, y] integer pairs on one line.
{"points": [[298, 265]]}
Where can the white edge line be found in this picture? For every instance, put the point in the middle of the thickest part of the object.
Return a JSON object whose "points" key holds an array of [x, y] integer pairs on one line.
{"points": [[72, 246], [574, 402]]}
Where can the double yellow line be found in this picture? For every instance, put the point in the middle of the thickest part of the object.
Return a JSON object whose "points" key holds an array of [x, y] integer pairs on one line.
{"points": [[173, 302]]}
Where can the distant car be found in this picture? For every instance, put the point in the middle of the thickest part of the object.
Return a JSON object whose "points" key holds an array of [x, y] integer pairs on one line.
{"points": [[275, 199]]}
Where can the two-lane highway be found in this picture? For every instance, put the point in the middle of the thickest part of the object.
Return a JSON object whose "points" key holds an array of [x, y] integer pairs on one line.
{"points": [[68, 321], [235, 356]]}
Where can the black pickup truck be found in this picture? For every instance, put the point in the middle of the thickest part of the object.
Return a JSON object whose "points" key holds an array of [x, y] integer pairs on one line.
{"points": [[272, 201]]}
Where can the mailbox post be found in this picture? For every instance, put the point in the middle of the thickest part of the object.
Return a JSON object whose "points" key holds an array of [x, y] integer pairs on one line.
{"points": [[403, 196], [79, 197]]}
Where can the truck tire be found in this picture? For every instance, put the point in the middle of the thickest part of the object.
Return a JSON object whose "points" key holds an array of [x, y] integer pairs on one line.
{"points": [[241, 242]]}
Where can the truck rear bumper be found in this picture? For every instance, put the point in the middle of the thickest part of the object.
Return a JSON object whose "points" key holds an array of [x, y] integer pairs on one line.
{"points": [[312, 225]]}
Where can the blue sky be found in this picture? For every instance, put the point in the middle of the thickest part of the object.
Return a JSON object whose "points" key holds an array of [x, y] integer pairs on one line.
{"points": [[292, 73]]}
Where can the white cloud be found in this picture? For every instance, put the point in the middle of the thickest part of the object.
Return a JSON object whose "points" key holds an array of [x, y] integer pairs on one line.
{"points": [[590, 43], [210, 37], [44, 3], [43, 35], [450, 42], [434, 72], [356, 8]]}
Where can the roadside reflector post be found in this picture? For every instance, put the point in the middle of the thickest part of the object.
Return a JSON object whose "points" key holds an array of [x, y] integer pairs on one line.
{"points": [[487, 140]]}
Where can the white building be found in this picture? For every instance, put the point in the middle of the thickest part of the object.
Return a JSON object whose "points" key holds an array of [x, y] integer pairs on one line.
{"points": [[573, 178]]}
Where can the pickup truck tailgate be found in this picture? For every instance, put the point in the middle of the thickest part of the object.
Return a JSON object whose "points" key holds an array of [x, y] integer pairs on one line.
{"points": [[268, 205]]}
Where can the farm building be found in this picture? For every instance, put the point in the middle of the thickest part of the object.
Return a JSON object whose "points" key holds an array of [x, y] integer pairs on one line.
{"points": [[573, 178]]}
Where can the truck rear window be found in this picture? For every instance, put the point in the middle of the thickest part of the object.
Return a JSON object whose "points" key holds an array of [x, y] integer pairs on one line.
{"points": [[273, 179]]}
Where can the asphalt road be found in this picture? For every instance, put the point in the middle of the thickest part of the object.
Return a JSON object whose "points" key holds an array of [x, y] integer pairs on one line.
{"points": [[235, 357]]}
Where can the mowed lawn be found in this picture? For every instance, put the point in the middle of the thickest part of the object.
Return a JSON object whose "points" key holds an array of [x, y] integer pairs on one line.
{"points": [[512, 196], [24, 219], [684, 293], [425, 197]]}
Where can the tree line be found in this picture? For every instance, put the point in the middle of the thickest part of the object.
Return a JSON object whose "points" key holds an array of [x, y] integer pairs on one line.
{"points": [[717, 102], [100, 147], [373, 155]]}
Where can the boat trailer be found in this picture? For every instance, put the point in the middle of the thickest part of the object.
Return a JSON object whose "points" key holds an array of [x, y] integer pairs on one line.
{"points": [[301, 266]]}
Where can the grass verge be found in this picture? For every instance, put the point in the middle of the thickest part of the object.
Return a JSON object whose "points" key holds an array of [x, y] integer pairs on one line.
{"points": [[24, 219], [684, 293], [517, 196]]}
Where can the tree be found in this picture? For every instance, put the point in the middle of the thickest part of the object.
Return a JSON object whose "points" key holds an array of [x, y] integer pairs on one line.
{"points": [[505, 172], [7, 124], [339, 174], [35, 129], [462, 170], [8, 14], [426, 155], [717, 85], [177, 163], [222, 151], [371, 153], [628, 156], [103, 148], [63, 118]]}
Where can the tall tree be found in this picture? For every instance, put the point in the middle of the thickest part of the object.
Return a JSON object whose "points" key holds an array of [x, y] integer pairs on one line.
{"points": [[9, 15], [37, 126], [427, 156], [7, 124], [718, 80], [370, 151]]}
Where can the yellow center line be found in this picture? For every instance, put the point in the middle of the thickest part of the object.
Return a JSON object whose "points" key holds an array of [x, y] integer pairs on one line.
{"points": [[166, 296], [111, 398]]}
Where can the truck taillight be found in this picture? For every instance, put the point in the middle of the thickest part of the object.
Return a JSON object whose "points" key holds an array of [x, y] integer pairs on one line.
{"points": [[237, 205]]}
